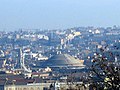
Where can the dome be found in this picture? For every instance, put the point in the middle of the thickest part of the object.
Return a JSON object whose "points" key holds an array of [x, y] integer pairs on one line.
{"points": [[62, 60]]}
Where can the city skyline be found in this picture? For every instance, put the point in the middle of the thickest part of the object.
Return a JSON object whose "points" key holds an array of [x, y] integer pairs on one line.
{"points": [[58, 14]]}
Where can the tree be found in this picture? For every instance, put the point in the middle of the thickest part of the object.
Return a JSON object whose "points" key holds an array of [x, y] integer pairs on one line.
{"points": [[106, 69]]}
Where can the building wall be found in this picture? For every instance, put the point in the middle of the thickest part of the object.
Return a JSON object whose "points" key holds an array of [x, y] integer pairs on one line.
{"points": [[44, 86], [26, 87]]}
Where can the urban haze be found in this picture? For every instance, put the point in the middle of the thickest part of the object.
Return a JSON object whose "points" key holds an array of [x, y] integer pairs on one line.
{"points": [[59, 45]]}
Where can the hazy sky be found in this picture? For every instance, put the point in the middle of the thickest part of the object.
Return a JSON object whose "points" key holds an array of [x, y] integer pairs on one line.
{"points": [[52, 14]]}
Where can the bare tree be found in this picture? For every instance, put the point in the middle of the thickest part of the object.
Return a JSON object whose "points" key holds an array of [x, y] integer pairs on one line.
{"points": [[106, 69]]}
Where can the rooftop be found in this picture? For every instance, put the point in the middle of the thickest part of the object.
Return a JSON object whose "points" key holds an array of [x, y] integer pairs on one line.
{"points": [[62, 60]]}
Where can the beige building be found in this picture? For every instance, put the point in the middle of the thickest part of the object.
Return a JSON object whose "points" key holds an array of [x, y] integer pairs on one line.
{"points": [[36, 86], [45, 86]]}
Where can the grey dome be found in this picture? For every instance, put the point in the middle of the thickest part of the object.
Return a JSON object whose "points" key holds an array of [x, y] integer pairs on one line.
{"points": [[62, 60]]}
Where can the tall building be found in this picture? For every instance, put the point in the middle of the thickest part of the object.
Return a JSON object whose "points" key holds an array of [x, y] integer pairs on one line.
{"points": [[16, 56], [2, 59]]}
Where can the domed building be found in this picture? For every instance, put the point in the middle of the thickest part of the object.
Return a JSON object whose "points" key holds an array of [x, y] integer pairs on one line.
{"points": [[63, 60]]}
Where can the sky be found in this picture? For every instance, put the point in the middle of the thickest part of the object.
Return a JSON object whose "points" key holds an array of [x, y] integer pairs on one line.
{"points": [[58, 14]]}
